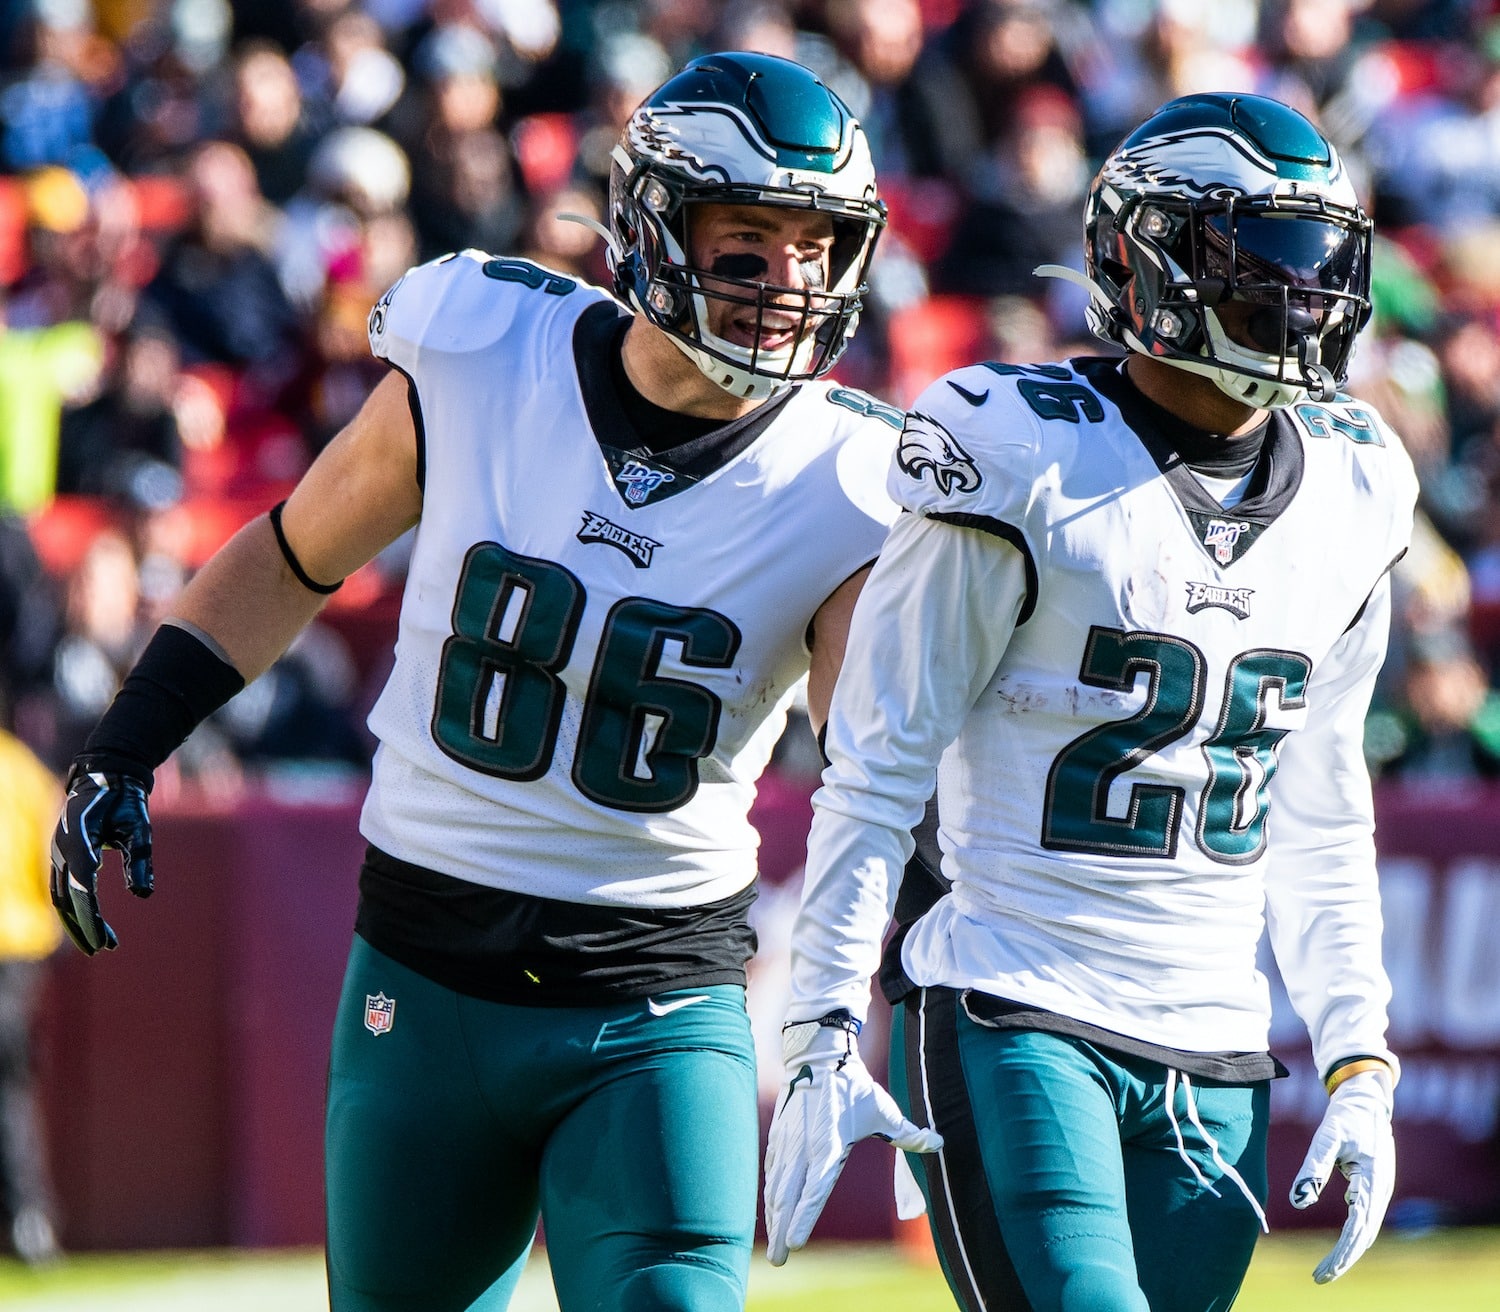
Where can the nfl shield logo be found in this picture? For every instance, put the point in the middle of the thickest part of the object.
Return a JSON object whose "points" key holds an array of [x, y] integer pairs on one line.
{"points": [[380, 1013]]}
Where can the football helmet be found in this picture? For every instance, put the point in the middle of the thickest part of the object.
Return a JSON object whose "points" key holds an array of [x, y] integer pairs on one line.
{"points": [[1224, 236], [742, 129]]}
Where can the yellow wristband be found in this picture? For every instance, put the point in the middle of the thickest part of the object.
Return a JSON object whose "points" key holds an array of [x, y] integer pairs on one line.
{"points": [[1353, 1068]]}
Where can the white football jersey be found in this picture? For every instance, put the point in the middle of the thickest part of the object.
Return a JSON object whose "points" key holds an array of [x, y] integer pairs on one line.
{"points": [[596, 650], [1152, 709]]}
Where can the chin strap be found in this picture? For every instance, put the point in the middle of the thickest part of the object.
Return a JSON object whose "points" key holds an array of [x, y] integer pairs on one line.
{"points": [[1320, 382]]}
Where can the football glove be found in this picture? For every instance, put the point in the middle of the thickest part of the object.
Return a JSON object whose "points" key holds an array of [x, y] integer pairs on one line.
{"points": [[103, 809], [828, 1103], [1355, 1135]]}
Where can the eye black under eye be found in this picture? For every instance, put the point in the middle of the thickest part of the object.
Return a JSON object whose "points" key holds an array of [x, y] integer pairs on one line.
{"points": [[740, 265]]}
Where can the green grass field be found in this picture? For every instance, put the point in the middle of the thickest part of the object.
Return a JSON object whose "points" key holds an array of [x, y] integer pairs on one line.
{"points": [[1456, 1271]]}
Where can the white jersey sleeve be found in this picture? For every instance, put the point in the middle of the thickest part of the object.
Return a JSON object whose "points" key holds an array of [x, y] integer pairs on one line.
{"points": [[930, 627], [949, 468], [448, 306], [1322, 895]]}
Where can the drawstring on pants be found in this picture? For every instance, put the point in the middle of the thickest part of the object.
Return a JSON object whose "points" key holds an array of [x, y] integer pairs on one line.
{"points": [[1224, 1167]]}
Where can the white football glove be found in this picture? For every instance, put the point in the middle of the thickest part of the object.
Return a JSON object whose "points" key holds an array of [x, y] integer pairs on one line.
{"points": [[1355, 1136], [828, 1104]]}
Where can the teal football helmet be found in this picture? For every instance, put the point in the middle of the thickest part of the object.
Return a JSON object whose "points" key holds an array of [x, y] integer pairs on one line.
{"points": [[1224, 236], [742, 129]]}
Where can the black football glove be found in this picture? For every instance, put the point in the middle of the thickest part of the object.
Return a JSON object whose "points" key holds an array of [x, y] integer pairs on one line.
{"points": [[104, 809]]}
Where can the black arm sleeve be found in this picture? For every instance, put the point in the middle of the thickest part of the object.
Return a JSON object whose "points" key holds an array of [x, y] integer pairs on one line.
{"points": [[177, 684]]}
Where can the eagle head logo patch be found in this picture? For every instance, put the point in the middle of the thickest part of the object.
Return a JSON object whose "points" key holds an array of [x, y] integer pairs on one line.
{"points": [[926, 447]]}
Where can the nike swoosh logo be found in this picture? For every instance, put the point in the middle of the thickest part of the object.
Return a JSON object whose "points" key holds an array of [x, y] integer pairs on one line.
{"points": [[677, 1004], [973, 398], [804, 1074]]}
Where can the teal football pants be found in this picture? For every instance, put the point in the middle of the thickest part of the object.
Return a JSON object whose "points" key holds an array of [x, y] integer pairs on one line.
{"points": [[1062, 1185], [453, 1124]]}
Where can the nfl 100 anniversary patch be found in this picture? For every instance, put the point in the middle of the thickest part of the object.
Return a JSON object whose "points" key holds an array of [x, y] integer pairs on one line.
{"points": [[380, 1013]]}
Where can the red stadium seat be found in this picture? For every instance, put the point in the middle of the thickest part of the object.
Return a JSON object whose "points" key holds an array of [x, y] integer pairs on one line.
{"points": [[62, 532], [932, 337]]}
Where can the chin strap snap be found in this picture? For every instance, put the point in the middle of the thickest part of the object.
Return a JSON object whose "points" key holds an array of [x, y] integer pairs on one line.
{"points": [[1321, 385]]}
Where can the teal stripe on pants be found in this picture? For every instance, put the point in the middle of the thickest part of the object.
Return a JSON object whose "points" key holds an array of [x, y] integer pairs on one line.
{"points": [[632, 1135]]}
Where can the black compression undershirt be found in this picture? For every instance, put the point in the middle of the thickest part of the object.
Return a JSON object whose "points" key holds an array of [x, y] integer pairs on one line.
{"points": [[659, 429], [534, 951], [1215, 455]]}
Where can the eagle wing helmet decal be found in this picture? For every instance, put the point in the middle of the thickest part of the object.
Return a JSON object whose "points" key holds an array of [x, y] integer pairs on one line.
{"points": [[927, 447]]}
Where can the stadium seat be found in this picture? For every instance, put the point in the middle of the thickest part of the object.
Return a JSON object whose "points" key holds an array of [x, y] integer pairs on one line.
{"points": [[62, 532], [933, 336]]}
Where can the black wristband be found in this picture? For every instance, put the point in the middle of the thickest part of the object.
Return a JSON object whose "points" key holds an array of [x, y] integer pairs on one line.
{"points": [[177, 684], [290, 556]]}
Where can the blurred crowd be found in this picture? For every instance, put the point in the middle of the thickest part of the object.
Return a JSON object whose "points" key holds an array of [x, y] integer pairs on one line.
{"points": [[200, 200]]}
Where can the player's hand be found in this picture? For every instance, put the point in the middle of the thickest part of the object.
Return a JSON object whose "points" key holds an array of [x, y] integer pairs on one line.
{"points": [[103, 809], [1355, 1137], [828, 1103]]}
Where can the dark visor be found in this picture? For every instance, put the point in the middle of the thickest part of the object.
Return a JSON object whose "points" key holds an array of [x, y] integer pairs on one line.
{"points": [[1308, 253]]}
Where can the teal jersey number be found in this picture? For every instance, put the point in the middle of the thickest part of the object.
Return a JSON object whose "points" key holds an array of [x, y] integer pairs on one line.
{"points": [[1242, 753], [1240, 756], [500, 694], [1073, 817], [1348, 421], [529, 275], [1050, 392], [643, 734], [867, 405], [499, 697]]}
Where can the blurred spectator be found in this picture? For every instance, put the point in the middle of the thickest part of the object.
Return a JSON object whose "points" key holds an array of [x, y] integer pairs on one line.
{"points": [[360, 79], [357, 175], [680, 27], [1026, 203], [102, 635], [1447, 723], [29, 932], [300, 712], [28, 615], [47, 108], [125, 444], [40, 370], [271, 121], [217, 289], [1435, 151], [158, 110], [1142, 55], [464, 190], [962, 94], [625, 67], [343, 372], [558, 241], [1468, 349], [62, 271], [882, 40], [1310, 48]]}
